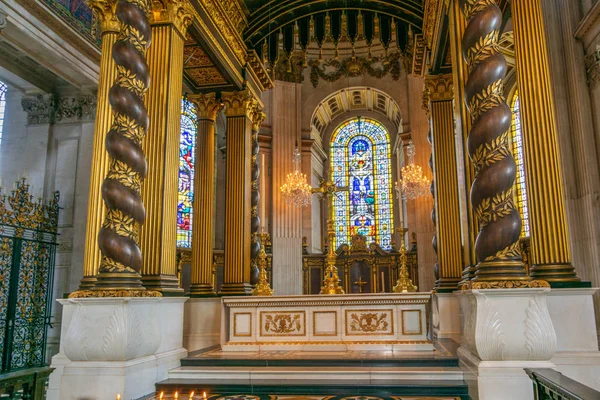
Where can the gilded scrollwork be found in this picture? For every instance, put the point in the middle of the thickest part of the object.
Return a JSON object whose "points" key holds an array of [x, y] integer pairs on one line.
{"points": [[283, 323], [369, 322]]}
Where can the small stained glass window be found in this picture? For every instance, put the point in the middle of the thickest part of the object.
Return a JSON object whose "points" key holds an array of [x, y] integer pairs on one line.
{"points": [[186, 174], [3, 90], [360, 160], [519, 155]]}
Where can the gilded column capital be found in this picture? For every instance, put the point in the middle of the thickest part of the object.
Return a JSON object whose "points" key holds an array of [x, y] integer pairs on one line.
{"points": [[257, 116], [176, 12], [105, 13], [207, 105], [437, 88], [239, 103]]}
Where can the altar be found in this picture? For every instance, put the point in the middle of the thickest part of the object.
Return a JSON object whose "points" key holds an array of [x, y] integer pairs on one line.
{"points": [[385, 321]]}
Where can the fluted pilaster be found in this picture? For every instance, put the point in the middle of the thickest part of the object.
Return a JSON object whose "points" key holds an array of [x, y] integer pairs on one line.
{"points": [[448, 240], [207, 107], [238, 109], [550, 248], [169, 20], [105, 11]]}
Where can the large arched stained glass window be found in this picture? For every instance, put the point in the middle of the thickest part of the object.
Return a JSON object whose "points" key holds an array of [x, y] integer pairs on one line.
{"points": [[518, 154], [360, 160], [186, 174]]}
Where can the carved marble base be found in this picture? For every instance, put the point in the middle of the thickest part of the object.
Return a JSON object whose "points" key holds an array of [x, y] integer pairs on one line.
{"points": [[445, 316], [116, 345], [393, 322], [577, 355], [502, 332]]}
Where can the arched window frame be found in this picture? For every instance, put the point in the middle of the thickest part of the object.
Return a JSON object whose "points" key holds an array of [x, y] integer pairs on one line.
{"points": [[516, 139], [187, 158], [343, 137], [3, 90]]}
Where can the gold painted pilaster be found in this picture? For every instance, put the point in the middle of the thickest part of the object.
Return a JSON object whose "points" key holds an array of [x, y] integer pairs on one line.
{"points": [[169, 20], [463, 127], [238, 110], [109, 25], [207, 107], [439, 96], [550, 248]]}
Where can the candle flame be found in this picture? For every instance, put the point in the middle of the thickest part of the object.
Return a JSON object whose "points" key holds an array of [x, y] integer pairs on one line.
{"points": [[161, 395], [176, 395], [118, 396], [191, 395], [204, 395]]}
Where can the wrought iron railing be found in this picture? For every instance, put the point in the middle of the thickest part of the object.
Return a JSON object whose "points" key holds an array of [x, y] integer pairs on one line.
{"points": [[28, 231], [549, 384], [30, 384]]}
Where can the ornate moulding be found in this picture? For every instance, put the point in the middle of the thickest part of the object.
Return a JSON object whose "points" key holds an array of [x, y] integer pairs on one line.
{"points": [[50, 109]]}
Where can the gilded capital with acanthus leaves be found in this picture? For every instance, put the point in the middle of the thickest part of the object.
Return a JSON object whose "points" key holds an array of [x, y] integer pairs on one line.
{"points": [[177, 12], [257, 116], [105, 12], [239, 103], [437, 88], [207, 105]]}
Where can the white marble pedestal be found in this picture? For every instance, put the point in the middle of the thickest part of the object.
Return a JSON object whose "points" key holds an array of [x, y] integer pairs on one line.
{"points": [[394, 321], [116, 345], [445, 316], [577, 355], [202, 323], [504, 331]]}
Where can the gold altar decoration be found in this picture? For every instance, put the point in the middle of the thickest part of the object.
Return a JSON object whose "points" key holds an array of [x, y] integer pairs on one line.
{"points": [[295, 190], [331, 281], [404, 283], [262, 288], [413, 184]]}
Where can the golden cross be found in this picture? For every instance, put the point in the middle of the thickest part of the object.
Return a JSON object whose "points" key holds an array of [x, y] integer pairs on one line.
{"points": [[328, 189], [360, 284]]}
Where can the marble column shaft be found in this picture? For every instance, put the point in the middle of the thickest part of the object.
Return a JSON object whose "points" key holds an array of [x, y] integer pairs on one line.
{"points": [[207, 107], [109, 24], [463, 127], [550, 248], [158, 236], [238, 109]]}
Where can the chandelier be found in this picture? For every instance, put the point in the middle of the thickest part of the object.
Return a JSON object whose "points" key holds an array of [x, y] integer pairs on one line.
{"points": [[295, 190], [413, 184]]}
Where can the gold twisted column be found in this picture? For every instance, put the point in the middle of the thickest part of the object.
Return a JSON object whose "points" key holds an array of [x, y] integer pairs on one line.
{"points": [[258, 116], [238, 110], [462, 118], [169, 19], [499, 263], [438, 95], [550, 249], [207, 108], [105, 11]]}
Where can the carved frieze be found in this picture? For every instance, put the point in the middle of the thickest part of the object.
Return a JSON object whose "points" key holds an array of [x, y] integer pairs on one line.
{"points": [[50, 109]]}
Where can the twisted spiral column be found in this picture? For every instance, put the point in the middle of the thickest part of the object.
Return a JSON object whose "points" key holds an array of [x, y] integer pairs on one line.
{"points": [[497, 245], [125, 213], [255, 245], [105, 11]]}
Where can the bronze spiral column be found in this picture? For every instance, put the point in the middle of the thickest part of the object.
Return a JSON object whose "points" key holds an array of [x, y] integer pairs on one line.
{"points": [[255, 245], [499, 263], [118, 236]]}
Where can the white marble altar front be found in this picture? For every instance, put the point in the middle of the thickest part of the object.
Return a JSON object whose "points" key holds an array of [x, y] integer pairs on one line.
{"points": [[396, 322]]}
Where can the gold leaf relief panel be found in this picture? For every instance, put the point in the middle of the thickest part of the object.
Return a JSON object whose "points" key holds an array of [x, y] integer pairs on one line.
{"points": [[206, 76], [369, 322], [283, 323], [194, 56]]}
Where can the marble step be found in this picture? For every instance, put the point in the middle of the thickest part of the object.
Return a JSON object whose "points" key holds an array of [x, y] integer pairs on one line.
{"points": [[353, 375]]}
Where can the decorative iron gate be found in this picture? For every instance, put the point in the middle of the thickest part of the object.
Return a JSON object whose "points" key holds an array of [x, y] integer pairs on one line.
{"points": [[27, 249]]}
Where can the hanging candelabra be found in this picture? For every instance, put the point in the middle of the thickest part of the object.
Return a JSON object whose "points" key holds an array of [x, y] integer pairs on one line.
{"points": [[413, 184], [295, 190]]}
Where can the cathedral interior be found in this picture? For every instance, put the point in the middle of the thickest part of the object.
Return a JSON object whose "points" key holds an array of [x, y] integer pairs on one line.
{"points": [[283, 199]]}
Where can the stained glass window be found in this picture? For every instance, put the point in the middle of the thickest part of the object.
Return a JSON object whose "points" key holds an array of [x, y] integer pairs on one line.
{"points": [[186, 174], [360, 160], [517, 148], [3, 90]]}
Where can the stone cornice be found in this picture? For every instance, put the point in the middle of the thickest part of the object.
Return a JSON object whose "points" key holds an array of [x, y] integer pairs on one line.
{"points": [[50, 109]]}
